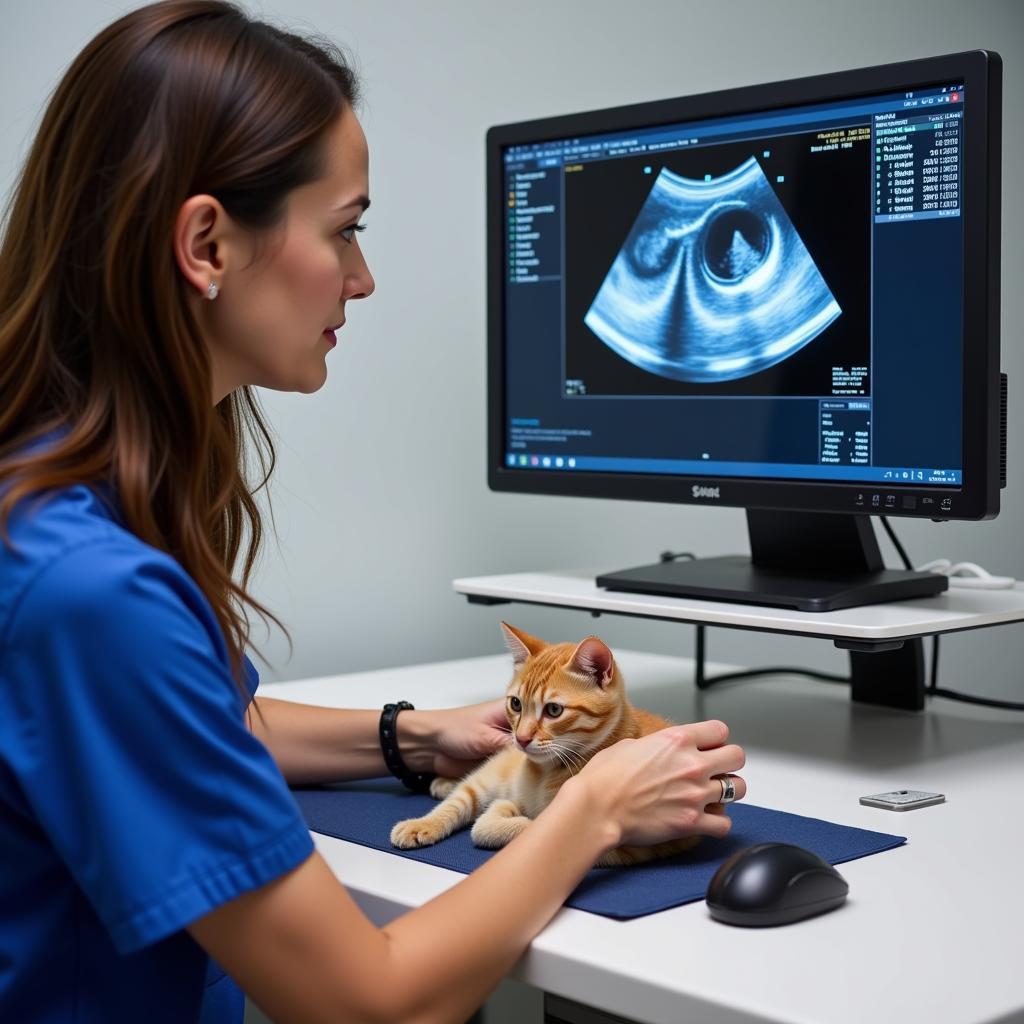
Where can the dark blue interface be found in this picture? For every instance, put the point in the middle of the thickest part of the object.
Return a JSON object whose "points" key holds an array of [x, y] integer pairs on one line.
{"points": [[772, 295]]}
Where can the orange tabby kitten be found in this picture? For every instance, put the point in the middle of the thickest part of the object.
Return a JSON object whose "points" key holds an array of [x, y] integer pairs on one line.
{"points": [[565, 703]]}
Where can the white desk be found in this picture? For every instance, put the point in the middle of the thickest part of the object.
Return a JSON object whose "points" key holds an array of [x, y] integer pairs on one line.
{"points": [[954, 610], [884, 640], [931, 932]]}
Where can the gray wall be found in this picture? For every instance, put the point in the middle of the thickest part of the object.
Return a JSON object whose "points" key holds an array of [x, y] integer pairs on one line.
{"points": [[380, 496]]}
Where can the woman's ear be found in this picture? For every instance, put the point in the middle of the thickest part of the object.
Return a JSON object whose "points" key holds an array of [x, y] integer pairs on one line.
{"points": [[200, 240]]}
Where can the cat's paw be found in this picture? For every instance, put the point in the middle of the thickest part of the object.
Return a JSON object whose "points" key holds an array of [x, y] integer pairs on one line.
{"points": [[498, 825], [414, 832], [487, 836], [442, 787]]}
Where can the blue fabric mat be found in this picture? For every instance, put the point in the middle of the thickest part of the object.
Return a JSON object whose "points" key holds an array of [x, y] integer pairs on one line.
{"points": [[365, 812]]}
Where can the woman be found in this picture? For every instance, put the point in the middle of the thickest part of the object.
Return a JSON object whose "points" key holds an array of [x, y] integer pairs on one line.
{"points": [[185, 229]]}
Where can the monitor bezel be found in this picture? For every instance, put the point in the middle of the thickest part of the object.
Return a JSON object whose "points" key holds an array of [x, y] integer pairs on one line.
{"points": [[980, 71]]}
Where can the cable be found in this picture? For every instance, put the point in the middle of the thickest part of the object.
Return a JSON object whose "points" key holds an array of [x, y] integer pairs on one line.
{"points": [[896, 543], [989, 702], [671, 556], [749, 673], [907, 564], [703, 682], [931, 690]]}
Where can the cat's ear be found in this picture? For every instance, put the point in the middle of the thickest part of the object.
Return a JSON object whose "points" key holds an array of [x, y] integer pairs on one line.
{"points": [[593, 658], [521, 644]]}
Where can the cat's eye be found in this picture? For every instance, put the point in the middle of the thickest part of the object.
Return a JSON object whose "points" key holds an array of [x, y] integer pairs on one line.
{"points": [[553, 710], [515, 704]]}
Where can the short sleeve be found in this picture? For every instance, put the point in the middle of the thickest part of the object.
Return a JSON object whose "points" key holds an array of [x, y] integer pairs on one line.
{"points": [[132, 750], [252, 678]]}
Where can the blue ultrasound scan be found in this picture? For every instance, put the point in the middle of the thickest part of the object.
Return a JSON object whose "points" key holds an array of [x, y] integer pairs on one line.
{"points": [[713, 283]]}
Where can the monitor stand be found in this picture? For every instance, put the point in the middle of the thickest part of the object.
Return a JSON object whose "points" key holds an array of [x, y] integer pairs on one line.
{"points": [[813, 562], [810, 561]]}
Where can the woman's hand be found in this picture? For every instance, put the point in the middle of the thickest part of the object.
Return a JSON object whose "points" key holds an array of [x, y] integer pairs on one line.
{"points": [[660, 787], [465, 737]]}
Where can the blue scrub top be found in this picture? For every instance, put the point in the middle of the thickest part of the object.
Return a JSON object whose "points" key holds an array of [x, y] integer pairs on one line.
{"points": [[133, 798]]}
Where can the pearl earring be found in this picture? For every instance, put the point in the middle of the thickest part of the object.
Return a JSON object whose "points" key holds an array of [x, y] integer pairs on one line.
{"points": [[211, 292]]}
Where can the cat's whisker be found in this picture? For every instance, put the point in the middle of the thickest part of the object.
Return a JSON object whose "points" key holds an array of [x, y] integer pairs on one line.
{"points": [[548, 747], [566, 755], [568, 744], [573, 744], [510, 738], [578, 758], [561, 757]]}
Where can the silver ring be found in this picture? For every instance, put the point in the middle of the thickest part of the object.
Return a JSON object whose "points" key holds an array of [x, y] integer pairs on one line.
{"points": [[728, 789]]}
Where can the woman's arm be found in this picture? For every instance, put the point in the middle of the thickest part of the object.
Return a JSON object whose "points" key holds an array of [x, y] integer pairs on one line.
{"points": [[303, 950], [317, 744]]}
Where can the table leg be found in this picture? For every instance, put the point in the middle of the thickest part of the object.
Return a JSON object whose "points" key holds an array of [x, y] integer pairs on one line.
{"points": [[559, 1010]]}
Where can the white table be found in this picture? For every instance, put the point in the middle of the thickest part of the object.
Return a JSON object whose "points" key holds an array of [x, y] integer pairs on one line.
{"points": [[931, 931], [952, 611], [884, 640]]}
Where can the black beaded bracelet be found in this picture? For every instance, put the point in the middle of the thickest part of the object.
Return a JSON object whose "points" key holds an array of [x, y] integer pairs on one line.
{"points": [[418, 782]]}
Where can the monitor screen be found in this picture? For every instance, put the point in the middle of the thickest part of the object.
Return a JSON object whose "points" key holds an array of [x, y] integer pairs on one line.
{"points": [[772, 295]]}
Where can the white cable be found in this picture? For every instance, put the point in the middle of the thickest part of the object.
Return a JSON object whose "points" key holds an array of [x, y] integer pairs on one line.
{"points": [[967, 574]]}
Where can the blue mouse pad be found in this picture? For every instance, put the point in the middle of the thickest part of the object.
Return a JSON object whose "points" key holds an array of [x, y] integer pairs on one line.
{"points": [[365, 812]]}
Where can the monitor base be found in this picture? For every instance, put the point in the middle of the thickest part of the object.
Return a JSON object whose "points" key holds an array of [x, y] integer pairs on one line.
{"points": [[736, 578], [810, 561]]}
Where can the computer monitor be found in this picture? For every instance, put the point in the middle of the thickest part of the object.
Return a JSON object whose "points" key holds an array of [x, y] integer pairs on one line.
{"points": [[782, 297]]}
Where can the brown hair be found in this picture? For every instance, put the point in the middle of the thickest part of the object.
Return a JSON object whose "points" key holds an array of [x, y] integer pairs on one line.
{"points": [[97, 341]]}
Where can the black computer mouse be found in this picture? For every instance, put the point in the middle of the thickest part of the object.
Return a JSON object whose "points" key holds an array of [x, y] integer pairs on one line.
{"points": [[774, 883]]}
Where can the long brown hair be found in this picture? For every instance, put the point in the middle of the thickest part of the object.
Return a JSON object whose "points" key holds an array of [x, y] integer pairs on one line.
{"points": [[97, 341]]}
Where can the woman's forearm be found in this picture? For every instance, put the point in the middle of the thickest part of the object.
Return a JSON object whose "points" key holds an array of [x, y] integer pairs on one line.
{"points": [[447, 956], [318, 744]]}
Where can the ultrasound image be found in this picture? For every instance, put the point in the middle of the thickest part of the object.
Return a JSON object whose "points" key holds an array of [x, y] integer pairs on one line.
{"points": [[713, 283]]}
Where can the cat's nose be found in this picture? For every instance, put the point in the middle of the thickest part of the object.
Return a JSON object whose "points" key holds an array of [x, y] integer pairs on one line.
{"points": [[524, 741]]}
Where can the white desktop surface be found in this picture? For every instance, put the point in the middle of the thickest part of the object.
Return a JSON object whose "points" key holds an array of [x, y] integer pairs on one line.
{"points": [[955, 609], [930, 933]]}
